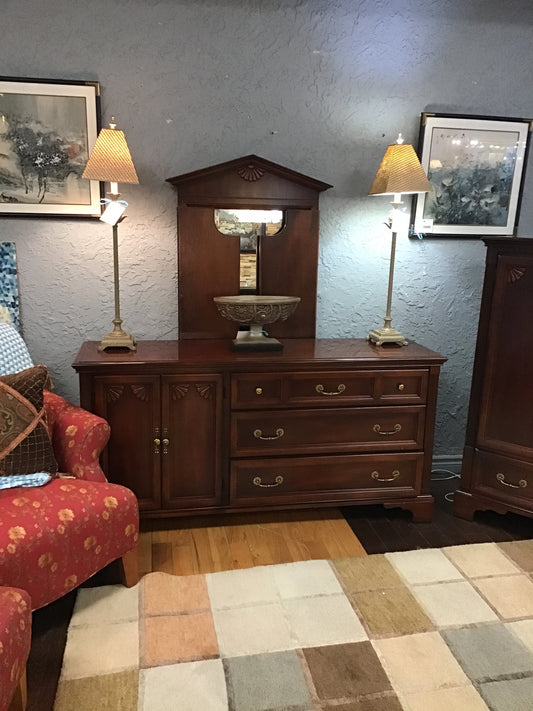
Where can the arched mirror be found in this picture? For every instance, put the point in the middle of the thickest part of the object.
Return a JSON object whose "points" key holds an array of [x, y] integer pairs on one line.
{"points": [[229, 240]]}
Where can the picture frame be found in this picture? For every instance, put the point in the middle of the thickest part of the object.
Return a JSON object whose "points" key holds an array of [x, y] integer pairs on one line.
{"points": [[47, 131], [476, 165]]}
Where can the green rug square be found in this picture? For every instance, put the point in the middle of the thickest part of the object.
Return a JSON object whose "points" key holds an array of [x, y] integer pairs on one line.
{"points": [[515, 694], [264, 682], [489, 652]]}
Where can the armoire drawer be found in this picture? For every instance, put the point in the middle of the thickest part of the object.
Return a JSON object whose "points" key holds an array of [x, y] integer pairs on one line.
{"points": [[508, 478], [279, 432], [332, 478], [328, 389]]}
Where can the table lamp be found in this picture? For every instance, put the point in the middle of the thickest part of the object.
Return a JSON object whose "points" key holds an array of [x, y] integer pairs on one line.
{"points": [[400, 172], [110, 160]]}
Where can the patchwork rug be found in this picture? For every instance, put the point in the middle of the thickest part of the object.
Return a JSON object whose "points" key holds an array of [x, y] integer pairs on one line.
{"points": [[423, 630]]}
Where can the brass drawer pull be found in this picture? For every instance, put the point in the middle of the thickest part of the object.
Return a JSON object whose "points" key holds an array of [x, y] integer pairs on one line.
{"points": [[501, 478], [258, 434], [397, 428], [395, 475], [340, 389], [401, 387], [259, 391], [256, 481], [157, 442]]}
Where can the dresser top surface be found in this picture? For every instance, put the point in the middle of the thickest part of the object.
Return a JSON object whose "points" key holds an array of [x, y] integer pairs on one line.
{"points": [[297, 351]]}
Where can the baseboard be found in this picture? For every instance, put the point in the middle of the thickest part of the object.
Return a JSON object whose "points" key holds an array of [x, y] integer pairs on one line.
{"points": [[443, 463]]}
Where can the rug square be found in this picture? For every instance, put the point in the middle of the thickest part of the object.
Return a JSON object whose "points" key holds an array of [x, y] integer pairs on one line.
{"points": [[237, 588], [373, 572], [391, 612], [463, 698], [515, 694], [267, 681], [521, 552], [329, 619], [419, 662], [252, 630], [478, 560], [346, 671], [178, 638], [109, 692], [388, 701], [489, 651], [164, 594], [306, 578], [511, 596], [454, 604], [523, 629], [105, 605], [192, 686], [427, 565], [101, 649]]}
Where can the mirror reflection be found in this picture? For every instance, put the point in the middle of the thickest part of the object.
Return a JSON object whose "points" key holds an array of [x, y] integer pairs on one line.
{"points": [[250, 226]]}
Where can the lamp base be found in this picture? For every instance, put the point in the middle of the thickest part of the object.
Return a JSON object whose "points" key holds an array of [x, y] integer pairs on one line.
{"points": [[117, 339], [379, 336]]}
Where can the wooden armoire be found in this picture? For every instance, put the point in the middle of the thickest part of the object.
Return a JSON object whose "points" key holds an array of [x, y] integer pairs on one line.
{"points": [[497, 471]]}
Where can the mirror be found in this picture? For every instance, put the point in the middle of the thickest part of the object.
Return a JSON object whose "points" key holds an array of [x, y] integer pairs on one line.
{"points": [[250, 226]]}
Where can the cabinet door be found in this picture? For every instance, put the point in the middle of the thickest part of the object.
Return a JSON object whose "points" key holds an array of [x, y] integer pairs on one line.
{"points": [[131, 404], [506, 418], [191, 440]]}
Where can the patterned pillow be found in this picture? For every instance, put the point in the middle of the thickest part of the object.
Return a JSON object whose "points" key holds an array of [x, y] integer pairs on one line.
{"points": [[25, 446]]}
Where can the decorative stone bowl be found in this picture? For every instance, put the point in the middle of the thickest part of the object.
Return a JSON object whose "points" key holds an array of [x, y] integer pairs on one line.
{"points": [[256, 311]]}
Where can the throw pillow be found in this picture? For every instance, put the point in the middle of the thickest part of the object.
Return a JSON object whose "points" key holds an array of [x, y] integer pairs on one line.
{"points": [[25, 446]]}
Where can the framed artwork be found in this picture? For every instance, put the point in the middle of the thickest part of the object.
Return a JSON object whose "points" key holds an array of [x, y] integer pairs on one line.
{"points": [[9, 295], [47, 131], [476, 166]]}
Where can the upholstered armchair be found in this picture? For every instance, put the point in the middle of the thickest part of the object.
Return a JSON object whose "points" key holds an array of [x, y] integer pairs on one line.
{"points": [[56, 536], [15, 639]]}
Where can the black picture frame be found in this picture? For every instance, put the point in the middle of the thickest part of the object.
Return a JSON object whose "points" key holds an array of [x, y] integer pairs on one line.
{"points": [[47, 131], [476, 165]]}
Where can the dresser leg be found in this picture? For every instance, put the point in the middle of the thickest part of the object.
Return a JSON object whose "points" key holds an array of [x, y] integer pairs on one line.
{"points": [[421, 508]]}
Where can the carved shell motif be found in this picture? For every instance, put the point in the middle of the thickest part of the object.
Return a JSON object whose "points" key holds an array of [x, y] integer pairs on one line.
{"points": [[114, 393], [140, 392], [251, 172], [204, 390], [179, 391], [515, 273]]}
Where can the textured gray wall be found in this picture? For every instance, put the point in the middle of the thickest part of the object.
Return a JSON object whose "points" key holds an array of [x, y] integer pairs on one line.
{"points": [[321, 86]]}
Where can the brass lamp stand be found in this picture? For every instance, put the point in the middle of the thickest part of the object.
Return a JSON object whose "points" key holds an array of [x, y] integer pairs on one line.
{"points": [[110, 160], [400, 172]]}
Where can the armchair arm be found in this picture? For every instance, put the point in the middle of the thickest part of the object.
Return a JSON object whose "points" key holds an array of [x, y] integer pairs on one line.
{"points": [[78, 437]]}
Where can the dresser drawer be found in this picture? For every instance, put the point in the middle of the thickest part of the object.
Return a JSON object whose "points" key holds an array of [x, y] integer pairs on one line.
{"points": [[339, 430], [328, 388], [503, 478], [323, 478]]}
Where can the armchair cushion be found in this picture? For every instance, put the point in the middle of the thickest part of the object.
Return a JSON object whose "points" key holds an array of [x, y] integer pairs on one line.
{"points": [[25, 446]]}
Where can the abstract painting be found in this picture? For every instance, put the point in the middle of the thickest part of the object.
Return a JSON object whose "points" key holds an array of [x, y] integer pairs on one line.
{"points": [[476, 166], [47, 131]]}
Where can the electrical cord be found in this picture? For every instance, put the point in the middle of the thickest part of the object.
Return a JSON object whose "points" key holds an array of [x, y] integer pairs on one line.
{"points": [[451, 475]]}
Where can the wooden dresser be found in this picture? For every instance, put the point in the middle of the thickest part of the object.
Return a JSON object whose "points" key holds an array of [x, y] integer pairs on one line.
{"points": [[497, 470], [198, 428]]}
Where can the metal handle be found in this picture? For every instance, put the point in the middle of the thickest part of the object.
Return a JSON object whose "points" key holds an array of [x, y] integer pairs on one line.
{"points": [[395, 475], [257, 481], [166, 442], [340, 389], [386, 433], [259, 391], [501, 478], [157, 441], [258, 434], [401, 387]]}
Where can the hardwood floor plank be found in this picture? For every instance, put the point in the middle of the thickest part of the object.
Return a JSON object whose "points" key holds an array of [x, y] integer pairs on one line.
{"points": [[162, 557]]}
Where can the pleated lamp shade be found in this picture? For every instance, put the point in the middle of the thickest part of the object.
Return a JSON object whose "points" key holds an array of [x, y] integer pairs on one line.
{"points": [[110, 159], [400, 172]]}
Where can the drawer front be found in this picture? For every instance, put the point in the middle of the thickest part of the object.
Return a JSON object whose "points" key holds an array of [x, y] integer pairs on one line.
{"points": [[372, 429], [340, 478], [328, 388], [511, 480]]}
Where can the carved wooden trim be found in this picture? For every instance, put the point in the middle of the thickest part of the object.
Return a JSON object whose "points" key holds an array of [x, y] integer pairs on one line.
{"points": [[515, 274], [179, 390], [251, 172], [140, 392], [114, 393], [205, 390]]}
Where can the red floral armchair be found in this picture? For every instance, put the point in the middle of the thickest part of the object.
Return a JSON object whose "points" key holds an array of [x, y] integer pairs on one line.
{"points": [[15, 638], [56, 536]]}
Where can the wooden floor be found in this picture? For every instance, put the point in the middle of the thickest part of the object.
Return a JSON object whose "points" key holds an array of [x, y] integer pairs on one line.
{"points": [[209, 545], [202, 546]]}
